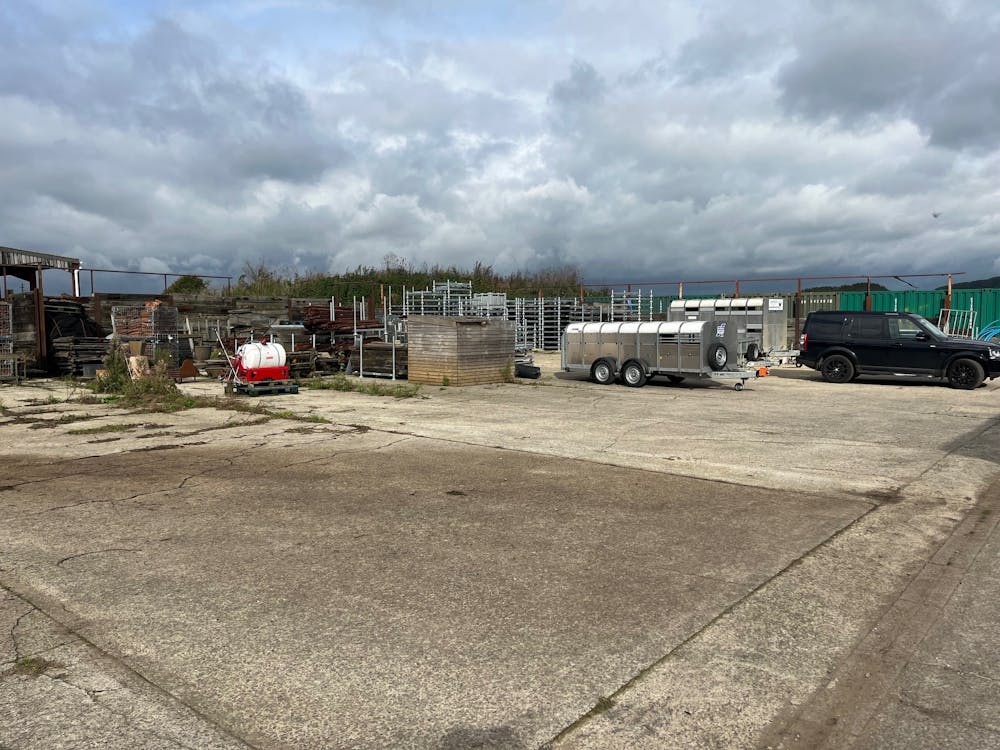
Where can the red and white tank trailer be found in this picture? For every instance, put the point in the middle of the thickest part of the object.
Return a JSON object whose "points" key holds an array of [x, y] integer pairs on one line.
{"points": [[257, 368]]}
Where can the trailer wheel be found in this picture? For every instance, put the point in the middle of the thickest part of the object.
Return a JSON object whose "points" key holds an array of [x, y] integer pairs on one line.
{"points": [[717, 356], [634, 374], [602, 372], [753, 352]]}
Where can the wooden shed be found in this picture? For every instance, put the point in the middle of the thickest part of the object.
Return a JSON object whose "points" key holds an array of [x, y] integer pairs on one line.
{"points": [[459, 351]]}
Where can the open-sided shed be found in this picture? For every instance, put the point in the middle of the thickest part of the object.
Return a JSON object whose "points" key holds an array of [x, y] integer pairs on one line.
{"points": [[28, 266]]}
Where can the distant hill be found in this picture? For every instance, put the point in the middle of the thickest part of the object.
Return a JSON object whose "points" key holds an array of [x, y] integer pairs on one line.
{"points": [[991, 283]]}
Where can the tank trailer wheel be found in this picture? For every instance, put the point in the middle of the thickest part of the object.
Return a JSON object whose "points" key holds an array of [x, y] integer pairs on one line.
{"points": [[633, 374], [602, 372]]}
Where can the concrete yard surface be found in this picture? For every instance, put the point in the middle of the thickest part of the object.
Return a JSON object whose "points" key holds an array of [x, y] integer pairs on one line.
{"points": [[548, 563]]}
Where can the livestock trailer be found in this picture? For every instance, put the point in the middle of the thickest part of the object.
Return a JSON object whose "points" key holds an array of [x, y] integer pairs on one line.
{"points": [[762, 322], [636, 351]]}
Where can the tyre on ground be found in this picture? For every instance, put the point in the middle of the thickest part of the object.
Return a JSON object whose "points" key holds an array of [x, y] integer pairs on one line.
{"points": [[634, 374], [966, 374], [602, 372], [837, 368]]}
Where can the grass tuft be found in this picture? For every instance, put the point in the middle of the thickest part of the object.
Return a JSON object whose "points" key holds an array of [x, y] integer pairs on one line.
{"points": [[102, 429], [340, 382], [33, 665]]}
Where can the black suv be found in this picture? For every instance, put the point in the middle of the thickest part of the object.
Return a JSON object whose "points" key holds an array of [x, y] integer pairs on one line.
{"points": [[843, 345]]}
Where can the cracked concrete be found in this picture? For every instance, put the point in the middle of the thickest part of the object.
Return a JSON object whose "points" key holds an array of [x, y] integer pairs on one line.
{"points": [[483, 566], [56, 690]]}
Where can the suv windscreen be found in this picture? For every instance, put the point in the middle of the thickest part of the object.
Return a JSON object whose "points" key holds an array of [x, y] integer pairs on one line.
{"points": [[934, 330]]}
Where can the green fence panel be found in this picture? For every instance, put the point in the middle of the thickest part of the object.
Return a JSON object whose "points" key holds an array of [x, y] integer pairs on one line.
{"points": [[925, 303], [986, 303], [852, 300]]}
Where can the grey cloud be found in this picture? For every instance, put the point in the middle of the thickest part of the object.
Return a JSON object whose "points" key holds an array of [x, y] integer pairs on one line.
{"points": [[723, 51], [576, 97], [169, 143], [859, 62]]}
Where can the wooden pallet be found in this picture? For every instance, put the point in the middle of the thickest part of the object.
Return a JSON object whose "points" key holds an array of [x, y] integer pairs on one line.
{"points": [[261, 389]]}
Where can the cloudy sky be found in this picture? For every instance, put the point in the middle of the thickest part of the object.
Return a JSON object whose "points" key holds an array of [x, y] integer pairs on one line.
{"points": [[639, 140]]}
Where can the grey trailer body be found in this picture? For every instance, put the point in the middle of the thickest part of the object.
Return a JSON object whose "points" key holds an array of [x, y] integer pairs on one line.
{"points": [[639, 350], [762, 321]]}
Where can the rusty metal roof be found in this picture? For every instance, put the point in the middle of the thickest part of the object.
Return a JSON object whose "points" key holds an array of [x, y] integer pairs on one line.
{"points": [[11, 256]]}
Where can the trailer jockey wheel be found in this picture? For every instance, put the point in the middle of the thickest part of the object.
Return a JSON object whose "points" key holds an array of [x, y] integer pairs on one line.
{"points": [[717, 356]]}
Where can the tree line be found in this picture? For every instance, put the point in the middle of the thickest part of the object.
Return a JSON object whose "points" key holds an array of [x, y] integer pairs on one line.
{"points": [[260, 280]]}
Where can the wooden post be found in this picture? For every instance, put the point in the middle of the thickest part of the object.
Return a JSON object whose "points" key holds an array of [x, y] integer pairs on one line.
{"points": [[868, 294]]}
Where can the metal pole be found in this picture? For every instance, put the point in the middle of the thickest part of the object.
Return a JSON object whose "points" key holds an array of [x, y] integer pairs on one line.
{"points": [[797, 312]]}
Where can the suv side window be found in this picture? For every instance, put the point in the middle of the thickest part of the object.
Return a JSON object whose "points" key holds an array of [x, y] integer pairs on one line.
{"points": [[865, 327], [903, 328], [824, 327]]}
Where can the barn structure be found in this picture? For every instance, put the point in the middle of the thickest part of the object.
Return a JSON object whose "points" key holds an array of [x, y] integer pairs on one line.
{"points": [[28, 266]]}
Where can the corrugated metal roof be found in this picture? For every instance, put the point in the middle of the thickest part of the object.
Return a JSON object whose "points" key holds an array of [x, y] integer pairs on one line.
{"points": [[11, 256]]}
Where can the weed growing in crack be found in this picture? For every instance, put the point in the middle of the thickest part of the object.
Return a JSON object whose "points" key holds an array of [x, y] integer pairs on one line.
{"points": [[286, 414], [340, 382], [70, 418], [603, 704], [33, 666], [102, 429]]}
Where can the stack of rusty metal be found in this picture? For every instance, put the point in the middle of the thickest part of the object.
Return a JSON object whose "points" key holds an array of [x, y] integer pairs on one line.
{"points": [[318, 318], [74, 355]]}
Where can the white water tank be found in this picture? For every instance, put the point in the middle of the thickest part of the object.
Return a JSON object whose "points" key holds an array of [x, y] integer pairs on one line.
{"points": [[255, 355]]}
